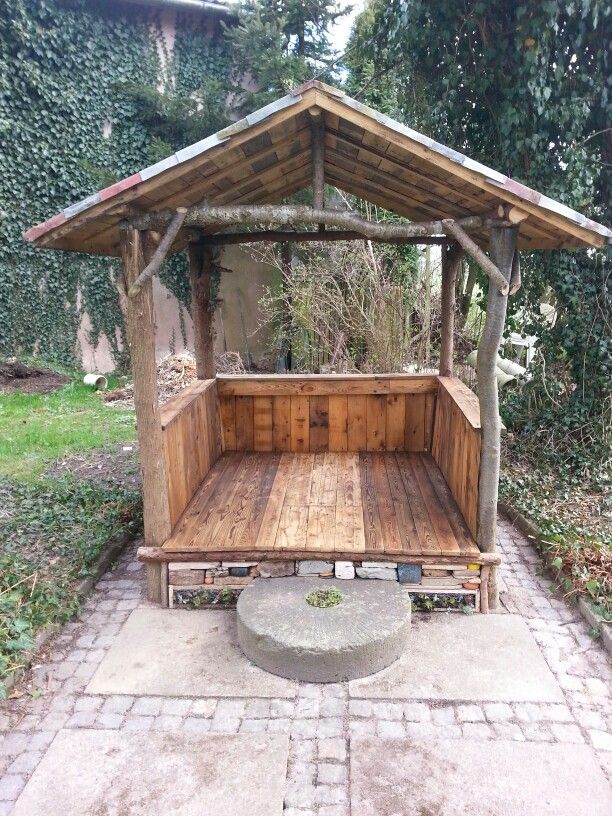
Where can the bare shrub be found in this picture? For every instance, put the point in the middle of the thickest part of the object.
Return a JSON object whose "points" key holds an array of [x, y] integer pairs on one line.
{"points": [[345, 307]]}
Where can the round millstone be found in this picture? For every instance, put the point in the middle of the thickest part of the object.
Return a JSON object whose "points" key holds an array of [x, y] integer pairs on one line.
{"points": [[282, 633]]}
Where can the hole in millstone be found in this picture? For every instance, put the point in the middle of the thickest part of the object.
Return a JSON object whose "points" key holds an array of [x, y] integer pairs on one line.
{"points": [[324, 598]]}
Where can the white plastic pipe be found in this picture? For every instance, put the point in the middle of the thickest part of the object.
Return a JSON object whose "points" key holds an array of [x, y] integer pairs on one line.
{"points": [[97, 381]]}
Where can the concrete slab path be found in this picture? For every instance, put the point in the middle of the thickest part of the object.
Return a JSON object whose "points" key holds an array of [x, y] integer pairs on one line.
{"points": [[486, 658], [531, 737], [87, 772], [181, 653]]}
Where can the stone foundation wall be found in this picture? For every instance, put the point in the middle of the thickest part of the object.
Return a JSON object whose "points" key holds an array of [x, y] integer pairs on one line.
{"points": [[195, 584]]}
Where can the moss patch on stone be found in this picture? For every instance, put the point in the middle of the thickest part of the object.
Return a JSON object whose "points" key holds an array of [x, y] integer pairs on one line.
{"points": [[324, 598]]}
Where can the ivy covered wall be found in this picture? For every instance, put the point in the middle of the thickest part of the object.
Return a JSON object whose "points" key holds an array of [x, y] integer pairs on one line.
{"points": [[66, 129]]}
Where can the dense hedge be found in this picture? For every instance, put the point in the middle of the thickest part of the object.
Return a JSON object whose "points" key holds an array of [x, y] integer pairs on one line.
{"points": [[62, 66]]}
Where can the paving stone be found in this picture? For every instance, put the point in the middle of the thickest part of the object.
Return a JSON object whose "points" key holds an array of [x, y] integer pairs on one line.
{"points": [[196, 725], [253, 726], [257, 709], [443, 716], [117, 769], [178, 653], [330, 727], [134, 723], [361, 708], [118, 704], [588, 718], [147, 706], [390, 729], [388, 711], [330, 794], [25, 763], [109, 720], [203, 708], [332, 707], [507, 730], [11, 786], [602, 740], [538, 732], [476, 731], [537, 780], [470, 713], [332, 749], [510, 664], [417, 712], [178, 708], [498, 712], [566, 733]]}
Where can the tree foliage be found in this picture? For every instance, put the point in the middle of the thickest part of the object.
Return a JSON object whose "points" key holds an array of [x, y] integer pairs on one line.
{"points": [[279, 44], [523, 87]]}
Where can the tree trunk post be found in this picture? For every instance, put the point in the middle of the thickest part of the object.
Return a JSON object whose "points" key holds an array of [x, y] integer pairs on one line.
{"points": [[136, 251], [451, 261], [200, 278], [502, 247]]}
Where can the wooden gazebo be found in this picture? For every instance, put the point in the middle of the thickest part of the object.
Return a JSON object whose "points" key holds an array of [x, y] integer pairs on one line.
{"points": [[250, 470]]}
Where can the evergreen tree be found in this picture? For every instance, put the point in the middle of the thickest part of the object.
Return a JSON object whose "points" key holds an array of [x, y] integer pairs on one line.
{"points": [[279, 44]]}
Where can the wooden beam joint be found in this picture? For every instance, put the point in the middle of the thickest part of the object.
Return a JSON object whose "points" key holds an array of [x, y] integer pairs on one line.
{"points": [[152, 268]]}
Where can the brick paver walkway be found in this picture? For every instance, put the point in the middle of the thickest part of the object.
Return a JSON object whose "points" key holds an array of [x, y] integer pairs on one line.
{"points": [[321, 718]]}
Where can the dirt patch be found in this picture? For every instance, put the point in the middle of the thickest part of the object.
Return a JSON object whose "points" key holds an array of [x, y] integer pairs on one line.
{"points": [[117, 466], [15, 376]]}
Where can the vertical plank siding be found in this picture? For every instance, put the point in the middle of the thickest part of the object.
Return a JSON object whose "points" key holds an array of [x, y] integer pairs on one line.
{"points": [[456, 445], [368, 414], [191, 435]]}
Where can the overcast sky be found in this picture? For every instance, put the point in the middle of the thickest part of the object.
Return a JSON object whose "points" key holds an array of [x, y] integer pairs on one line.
{"points": [[341, 31]]}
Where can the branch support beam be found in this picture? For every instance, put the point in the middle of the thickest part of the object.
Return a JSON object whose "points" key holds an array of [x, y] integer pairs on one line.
{"points": [[152, 268], [454, 229]]}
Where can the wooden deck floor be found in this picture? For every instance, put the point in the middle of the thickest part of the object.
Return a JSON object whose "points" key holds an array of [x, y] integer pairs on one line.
{"points": [[338, 505]]}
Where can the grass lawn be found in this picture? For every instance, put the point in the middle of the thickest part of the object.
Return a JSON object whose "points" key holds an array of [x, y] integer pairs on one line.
{"points": [[53, 529], [36, 429]]}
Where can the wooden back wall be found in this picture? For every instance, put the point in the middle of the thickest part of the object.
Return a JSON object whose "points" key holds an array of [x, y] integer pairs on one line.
{"points": [[317, 413]]}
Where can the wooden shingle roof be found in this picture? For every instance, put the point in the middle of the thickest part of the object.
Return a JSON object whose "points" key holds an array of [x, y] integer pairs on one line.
{"points": [[266, 156]]}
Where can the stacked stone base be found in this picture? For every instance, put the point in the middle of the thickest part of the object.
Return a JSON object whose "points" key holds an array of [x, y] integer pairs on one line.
{"points": [[217, 584]]}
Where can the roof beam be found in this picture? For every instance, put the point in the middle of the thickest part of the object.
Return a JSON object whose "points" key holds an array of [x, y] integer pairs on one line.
{"points": [[279, 236], [288, 215]]}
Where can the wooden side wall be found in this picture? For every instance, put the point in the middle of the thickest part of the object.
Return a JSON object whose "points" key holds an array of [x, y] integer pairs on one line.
{"points": [[456, 445], [192, 441], [315, 414]]}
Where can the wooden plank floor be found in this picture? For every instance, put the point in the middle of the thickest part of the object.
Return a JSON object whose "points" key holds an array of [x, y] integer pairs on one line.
{"points": [[338, 505]]}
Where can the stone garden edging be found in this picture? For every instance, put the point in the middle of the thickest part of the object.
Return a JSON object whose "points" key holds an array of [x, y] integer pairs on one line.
{"points": [[529, 529]]}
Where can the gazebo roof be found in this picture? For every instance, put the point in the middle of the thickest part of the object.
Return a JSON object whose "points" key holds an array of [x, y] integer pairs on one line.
{"points": [[267, 156]]}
